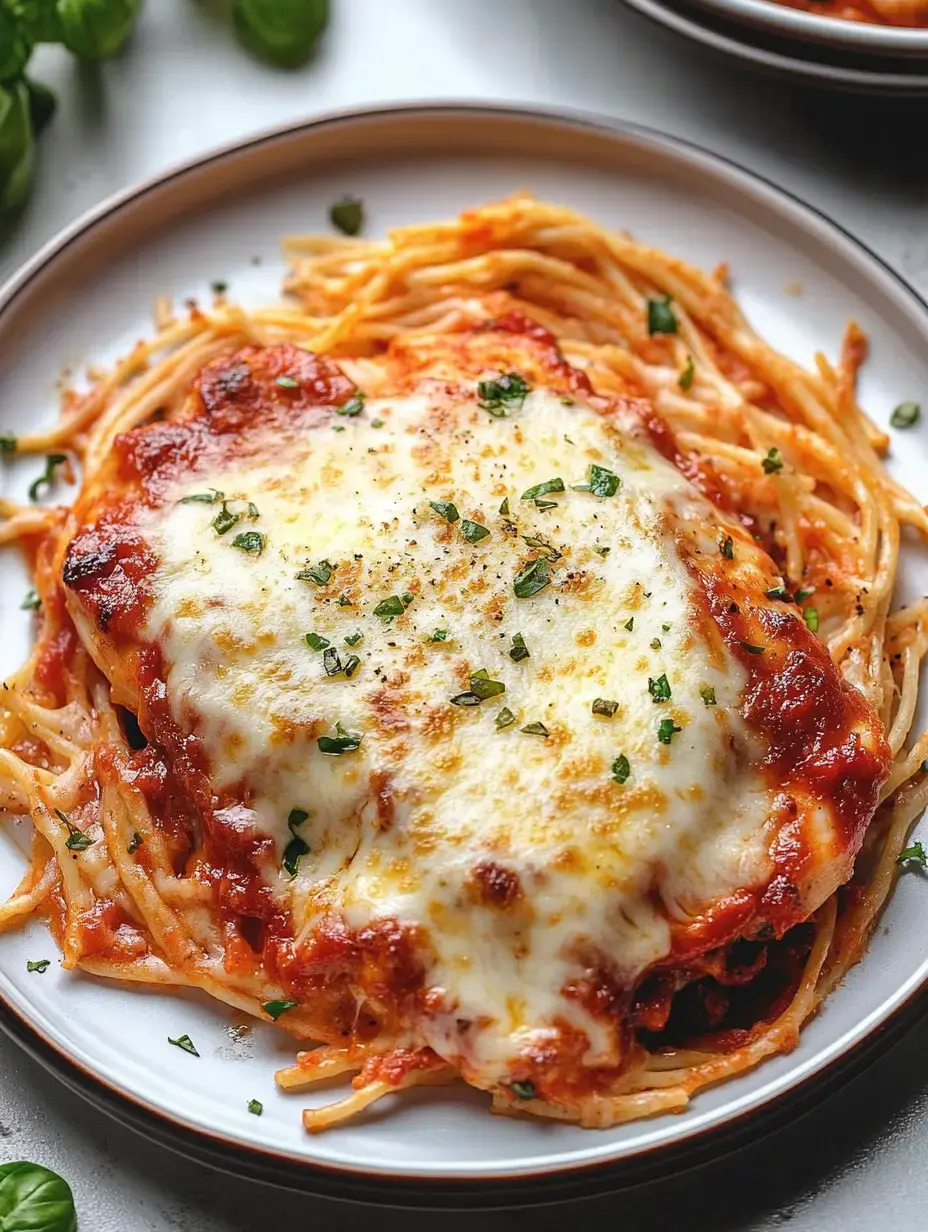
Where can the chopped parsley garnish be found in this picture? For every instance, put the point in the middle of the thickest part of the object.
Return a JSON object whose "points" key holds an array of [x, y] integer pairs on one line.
{"points": [[319, 574], [77, 840], [219, 286], [659, 689], [810, 616], [395, 605], [655, 643], [354, 406], [522, 1090], [905, 415], [31, 601], [534, 541], [601, 550], [603, 482], [621, 769], [915, 854], [297, 847], [45, 480], [342, 742], [751, 648], [315, 642], [685, 379], [351, 665], [465, 699], [255, 1106], [344, 601], [184, 1042], [708, 696], [353, 638], [504, 508], [331, 662], [518, 650], [473, 532], [727, 547], [250, 541], [8, 442], [803, 593], [446, 509], [347, 215], [274, 1009], [225, 519], [534, 577], [438, 635], [773, 462], [134, 843], [630, 623], [778, 592], [483, 687], [376, 423], [502, 394], [661, 319], [542, 489], [210, 497], [42, 964], [287, 382], [666, 730], [505, 718], [665, 628], [605, 706], [545, 504], [535, 729]]}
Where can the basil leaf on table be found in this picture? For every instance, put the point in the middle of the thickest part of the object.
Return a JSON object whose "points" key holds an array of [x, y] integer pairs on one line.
{"points": [[35, 1199]]}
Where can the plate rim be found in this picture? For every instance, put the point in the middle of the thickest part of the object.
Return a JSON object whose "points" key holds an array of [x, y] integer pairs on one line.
{"points": [[790, 1090], [726, 42], [836, 32]]}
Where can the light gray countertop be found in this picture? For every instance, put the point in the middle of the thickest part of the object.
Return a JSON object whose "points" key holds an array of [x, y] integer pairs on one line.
{"points": [[856, 1163]]}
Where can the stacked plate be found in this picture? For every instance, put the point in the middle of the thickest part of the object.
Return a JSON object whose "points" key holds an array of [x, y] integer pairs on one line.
{"points": [[861, 55]]}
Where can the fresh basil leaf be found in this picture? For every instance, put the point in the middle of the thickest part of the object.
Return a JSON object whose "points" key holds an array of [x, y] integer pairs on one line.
{"points": [[35, 1199], [274, 1009]]}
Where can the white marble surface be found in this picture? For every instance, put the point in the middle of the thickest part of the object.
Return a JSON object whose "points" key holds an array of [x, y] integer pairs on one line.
{"points": [[857, 1162]]}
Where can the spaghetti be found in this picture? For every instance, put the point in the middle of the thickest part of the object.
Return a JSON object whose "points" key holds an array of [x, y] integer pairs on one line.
{"points": [[146, 860]]}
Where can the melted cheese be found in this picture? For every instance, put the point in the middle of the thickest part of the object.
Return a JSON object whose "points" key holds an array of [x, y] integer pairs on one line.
{"points": [[593, 867]]}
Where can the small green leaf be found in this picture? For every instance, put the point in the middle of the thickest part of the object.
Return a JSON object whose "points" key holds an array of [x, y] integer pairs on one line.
{"points": [[287, 382], [778, 592], [535, 729], [342, 742], [465, 699], [906, 415], [810, 615], [505, 718], [331, 663], [8, 442], [438, 635], [250, 541], [219, 287], [319, 574], [274, 1009], [773, 462], [685, 379], [666, 730], [77, 840], [376, 423], [35, 1199], [603, 482], [523, 1090], [542, 489], [354, 406], [473, 532], [621, 769], [504, 508], [45, 480], [915, 854], [605, 706], [533, 578], [347, 215], [386, 609], [661, 318], [315, 642], [804, 592], [31, 601], [41, 965], [483, 687], [446, 509], [185, 1043], [659, 689], [255, 1107], [353, 638], [630, 623], [502, 394], [727, 547], [135, 842], [225, 519], [708, 695], [518, 650], [351, 665], [211, 497]]}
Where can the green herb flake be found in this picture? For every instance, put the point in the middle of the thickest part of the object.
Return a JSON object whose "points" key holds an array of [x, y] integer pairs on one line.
{"points": [[630, 624], [505, 718], [331, 663], [255, 1107], [342, 742], [535, 729], [41, 965], [603, 482], [210, 497], [518, 650], [542, 489], [473, 532], [438, 635], [778, 592], [219, 286], [250, 541], [31, 601], [319, 574], [8, 442], [376, 423], [621, 769], [751, 648], [727, 547], [465, 699], [502, 394], [661, 318], [344, 601], [605, 707], [483, 687], [45, 480], [274, 1009], [522, 1090], [504, 508], [386, 609], [353, 638], [773, 462], [659, 689], [351, 665], [347, 215], [77, 840], [915, 854], [655, 643], [906, 415], [297, 847], [315, 642], [666, 730], [810, 616], [534, 541], [533, 578], [287, 382], [708, 696], [445, 509], [685, 379], [184, 1042], [354, 406], [225, 519], [805, 592], [601, 550], [545, 504], [135, 842]]}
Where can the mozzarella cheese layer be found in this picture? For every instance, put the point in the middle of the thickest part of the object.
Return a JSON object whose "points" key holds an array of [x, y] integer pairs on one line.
{"points": [[513, 844]]}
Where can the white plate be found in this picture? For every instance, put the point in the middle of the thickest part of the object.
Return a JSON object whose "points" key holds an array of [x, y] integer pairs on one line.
{"points": [[785, 57], [87, 297]]}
